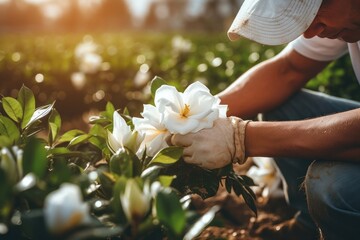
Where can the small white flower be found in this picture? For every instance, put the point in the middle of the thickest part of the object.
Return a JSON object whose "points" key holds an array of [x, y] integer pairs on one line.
{"points": [[64, 209], [151, 127], [191, 111], [265, 175], [135, 203], [122, 136]]}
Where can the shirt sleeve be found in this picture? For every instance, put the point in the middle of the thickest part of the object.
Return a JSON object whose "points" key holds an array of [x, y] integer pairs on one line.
{"points": [[320, 49]]}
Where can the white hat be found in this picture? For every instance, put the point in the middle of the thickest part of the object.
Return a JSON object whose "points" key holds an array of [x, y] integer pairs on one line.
{"points": [[273, 22]]}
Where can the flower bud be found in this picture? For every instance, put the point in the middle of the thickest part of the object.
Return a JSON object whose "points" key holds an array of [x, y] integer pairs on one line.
{"points": [[8, 163], [134, 202]]}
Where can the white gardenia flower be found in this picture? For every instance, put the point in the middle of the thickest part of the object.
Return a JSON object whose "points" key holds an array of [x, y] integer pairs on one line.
{"points": [[122, 136], [135, 203], [265, 175], [190, 111], [152, 128], [64, 209]]}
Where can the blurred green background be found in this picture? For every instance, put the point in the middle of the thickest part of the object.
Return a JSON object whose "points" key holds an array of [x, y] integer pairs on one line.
{"points": [[82, 54]]}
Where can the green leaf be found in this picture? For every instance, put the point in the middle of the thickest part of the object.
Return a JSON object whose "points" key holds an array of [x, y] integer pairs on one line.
{"points": [[12, 108], [9, 129], [99, 120], [152, 172], [166, 180], [247, 180], [119, 188], [79, 139], [247, 194], [155, 84], [202, 223], [167, 156], [121, 163], [5, 193], [69, 135], [169, 211], [5, 141], [53, 129], [34, 159], [54, 125], [40, 113], [26, 183], [26, 99], [109, 109]]}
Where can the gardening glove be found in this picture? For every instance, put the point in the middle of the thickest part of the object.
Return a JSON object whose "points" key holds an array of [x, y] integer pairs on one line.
{"points": [[215, 147]]}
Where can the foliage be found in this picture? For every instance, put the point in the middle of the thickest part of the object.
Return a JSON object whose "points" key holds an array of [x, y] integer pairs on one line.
{"points": [[71, 186], [45, 63]]}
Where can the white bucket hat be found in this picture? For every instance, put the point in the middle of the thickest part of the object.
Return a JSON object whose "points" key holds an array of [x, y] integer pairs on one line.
{"points": [[273, 22]]}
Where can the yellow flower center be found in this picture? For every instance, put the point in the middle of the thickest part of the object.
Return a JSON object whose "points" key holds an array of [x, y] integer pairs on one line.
{"points": [[185, 111]]}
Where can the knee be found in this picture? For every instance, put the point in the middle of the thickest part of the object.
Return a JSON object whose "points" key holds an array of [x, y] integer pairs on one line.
{"points": [[321, 192], [332, 202]]}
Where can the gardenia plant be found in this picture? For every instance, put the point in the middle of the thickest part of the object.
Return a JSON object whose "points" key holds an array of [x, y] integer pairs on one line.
{"points": [[119, 180]]}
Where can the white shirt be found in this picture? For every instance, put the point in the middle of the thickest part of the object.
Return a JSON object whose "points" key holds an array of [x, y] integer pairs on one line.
{"points": [[324, 49]]}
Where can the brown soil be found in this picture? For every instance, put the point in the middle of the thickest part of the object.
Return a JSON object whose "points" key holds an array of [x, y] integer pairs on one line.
{"points": [[236, 220]]}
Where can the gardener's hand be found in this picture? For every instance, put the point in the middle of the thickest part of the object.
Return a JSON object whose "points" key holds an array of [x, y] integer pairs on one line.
{"points": [[215, 147]]}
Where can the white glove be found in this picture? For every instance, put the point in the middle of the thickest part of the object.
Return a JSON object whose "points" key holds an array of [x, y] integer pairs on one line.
{"points": [[215, 147]]}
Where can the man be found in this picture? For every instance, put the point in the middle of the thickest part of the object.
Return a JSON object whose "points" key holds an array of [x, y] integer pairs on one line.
{"points": [[314, 138]]}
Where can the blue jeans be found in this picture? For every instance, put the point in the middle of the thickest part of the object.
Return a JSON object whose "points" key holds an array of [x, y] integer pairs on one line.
{"points": [[332, 199]]}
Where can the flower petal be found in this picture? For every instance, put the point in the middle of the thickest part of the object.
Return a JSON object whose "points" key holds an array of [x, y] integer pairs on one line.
{"points": [[177, 124], [168, 97]]}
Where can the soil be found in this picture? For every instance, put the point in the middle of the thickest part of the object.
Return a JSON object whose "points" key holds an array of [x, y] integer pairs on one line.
{"points": [[236, 221]]}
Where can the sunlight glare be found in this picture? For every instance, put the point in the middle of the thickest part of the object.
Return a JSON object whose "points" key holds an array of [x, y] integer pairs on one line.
{"points": [[52, 11]]}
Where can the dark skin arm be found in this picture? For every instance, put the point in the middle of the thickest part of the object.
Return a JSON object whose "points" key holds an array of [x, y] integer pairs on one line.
{"points": [[269, 84]]}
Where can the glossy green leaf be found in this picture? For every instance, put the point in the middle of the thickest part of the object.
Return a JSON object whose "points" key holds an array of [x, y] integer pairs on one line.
{"points": [[34, 159], [12, 108], [166, 180], [26, 183], [54, 125], [202, 223], [5, 141], [121, 163], [170, 212], [246, 193], [99, 120], [53, 129], [119, 188], [79, 139], [26, 99], [155, 84], [109, 109], [152, 172], [167, 156], [40, 113], [5, 191], [99, 131], [9, 129], [70, 135]]}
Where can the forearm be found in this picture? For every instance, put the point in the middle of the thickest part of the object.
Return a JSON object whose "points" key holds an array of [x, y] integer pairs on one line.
{"points": [[332, 137], [257, 90], [269, 84]]}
